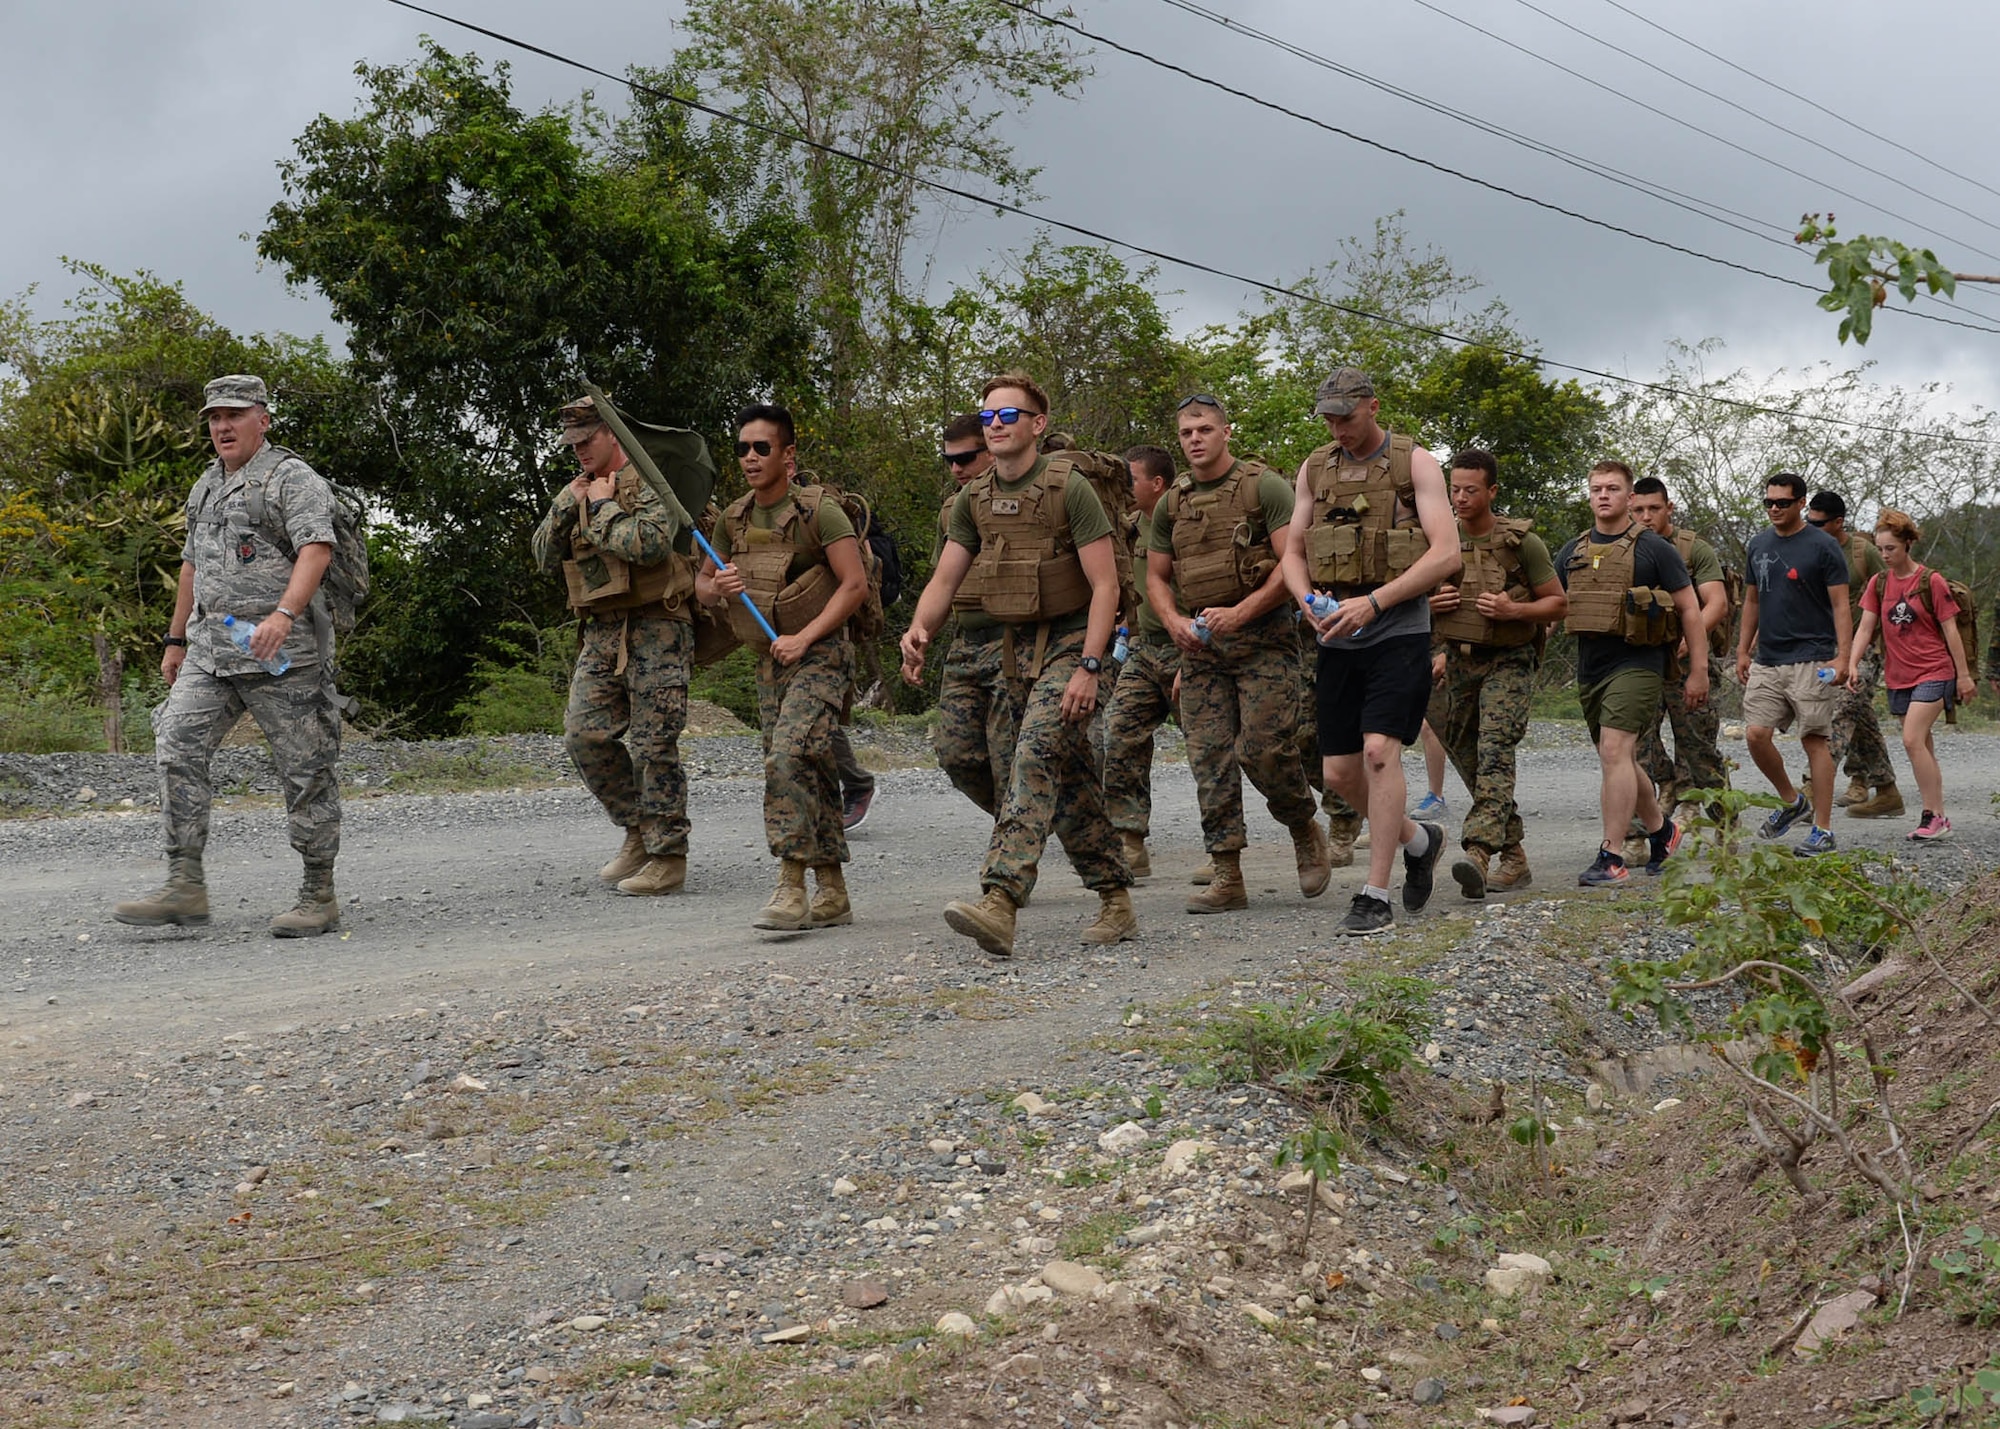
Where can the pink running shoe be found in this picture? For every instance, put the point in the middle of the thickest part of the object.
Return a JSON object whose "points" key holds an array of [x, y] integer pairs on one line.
{"points": [[1933, 828]]}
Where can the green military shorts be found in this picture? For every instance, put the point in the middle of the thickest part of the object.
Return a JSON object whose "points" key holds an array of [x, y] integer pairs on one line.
{"points": [[1627, 700]]}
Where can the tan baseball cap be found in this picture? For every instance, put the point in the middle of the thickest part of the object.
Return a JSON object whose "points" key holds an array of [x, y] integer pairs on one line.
{"points": [[580, 421], [1345, 390], [237, 390]]}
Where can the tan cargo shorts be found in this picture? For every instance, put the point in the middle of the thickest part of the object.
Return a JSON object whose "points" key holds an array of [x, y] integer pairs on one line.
{"points": [[1779, 694]]}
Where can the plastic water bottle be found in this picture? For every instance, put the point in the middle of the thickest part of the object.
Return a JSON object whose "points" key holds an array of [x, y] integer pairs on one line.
{"points": [[1122, 646], [1824, 674], [1321, 605], [1201, 629], [240, 634]]}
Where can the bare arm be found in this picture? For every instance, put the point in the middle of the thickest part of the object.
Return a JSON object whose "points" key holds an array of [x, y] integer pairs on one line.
{"points": [[1551, 603], [172, 657], [1100, 567], [1441, 562], [844, 558], [1843, 631], [307, 572], [1746, 640], [1689, 610], [1160, 595], [934, 605]]}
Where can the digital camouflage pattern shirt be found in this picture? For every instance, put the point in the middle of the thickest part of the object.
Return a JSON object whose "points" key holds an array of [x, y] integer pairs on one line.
{"points": [[243, 571]]}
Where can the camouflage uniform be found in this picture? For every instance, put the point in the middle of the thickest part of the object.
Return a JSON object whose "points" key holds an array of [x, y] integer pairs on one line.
{"points": [[242, 571], [1139, 706], [629, 690], [978, 718], [799, 707], [1856, 742], [1239, 708], [1051, 786], [1481, 714], [1697, 761]]}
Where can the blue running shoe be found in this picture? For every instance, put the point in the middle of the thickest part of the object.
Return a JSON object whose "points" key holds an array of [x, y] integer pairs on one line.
{"points": [[1608, 872], [1782, 819], [1817, 842], [1431, 806]]}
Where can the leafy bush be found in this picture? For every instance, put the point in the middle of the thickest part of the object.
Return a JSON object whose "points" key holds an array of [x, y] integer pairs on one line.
{"points": [[1339, 1057], [521, 686], [732, 683], [48, 719]]}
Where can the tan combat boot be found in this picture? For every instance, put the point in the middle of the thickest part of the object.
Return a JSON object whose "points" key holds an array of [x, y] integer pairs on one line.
{"points": [[1856, 792], [1314, 856], [1339, 851], [183, 901], [829, 906], [631, 858], [316, 912], [1226, 892], [1136, 858], [989, 922], [1204, 875], [1470, 871], [1512, 872], [788, 910], [662, 873], [1116, 921], [1887, 803]]}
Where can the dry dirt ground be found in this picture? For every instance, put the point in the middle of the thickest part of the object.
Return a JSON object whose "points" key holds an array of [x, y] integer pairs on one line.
{"points": [[511, 1150]]}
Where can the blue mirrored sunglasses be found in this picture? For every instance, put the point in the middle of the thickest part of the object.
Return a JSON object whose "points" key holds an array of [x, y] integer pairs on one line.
{"points": [[1005, 416]]}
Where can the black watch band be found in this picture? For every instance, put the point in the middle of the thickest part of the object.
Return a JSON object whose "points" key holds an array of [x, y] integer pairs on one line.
{"points": [[180, 640], [1092, 664], [601, 501]]}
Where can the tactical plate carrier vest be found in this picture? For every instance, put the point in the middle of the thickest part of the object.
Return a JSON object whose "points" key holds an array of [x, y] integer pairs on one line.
{"points": [[1492, 566], [765, 558], [1222, 547], [601, 583], [1603, 600], [1364, 528], [1026, 569]]}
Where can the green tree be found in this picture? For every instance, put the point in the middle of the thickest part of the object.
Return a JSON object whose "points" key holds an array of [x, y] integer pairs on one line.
{"points": [[483, 260]]}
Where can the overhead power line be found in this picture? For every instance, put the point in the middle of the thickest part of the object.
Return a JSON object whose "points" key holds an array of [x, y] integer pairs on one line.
{"points": [[1147, 251], [1687, 124], [1765, 119], [1916, 154], [1097, 38]]}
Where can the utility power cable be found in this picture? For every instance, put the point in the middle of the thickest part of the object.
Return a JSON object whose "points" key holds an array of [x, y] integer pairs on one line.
{"points": [[1916, 154], [1146, 251]]}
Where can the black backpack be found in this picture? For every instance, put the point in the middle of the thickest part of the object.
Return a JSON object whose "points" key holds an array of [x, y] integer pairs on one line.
{"points": [[882, 541]]}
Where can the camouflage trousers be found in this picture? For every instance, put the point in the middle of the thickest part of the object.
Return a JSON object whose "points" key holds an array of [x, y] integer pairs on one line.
{"points": [[978, 717], [1697, 761], [1481, 714], [1052, 787], [298, 718], [799, 707], [1857, 743], [1140, 704], [1240, 709], [1343, 819], [628, 701]]}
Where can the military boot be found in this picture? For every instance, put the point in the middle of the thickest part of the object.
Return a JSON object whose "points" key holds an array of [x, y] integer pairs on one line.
{"points": [[1856, 792], [662, 873], [1136, 858], [1314, 857], [183, 901], [1116, 922], [1204, 875], [1887, 803], [829, 906], [788, 910], [1470, 871], [1339, 850], [1512, 872], [316, 912], [1226, 892], [631, 858], [989, 922]]}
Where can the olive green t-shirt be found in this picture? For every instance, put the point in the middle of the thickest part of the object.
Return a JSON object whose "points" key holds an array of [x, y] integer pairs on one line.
{"points": [[1087, 521], [1864, 563], [1704, 566], [1149, 623], [831, 525], [1274, 495], [1537, 566]]}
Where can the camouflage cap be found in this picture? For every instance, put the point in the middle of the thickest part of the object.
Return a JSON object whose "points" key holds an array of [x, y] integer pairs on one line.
{"points": [[237, 390], [580, 421], [1345, 390]]}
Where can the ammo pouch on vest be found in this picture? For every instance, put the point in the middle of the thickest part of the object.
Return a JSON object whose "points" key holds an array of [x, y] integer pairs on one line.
{"points": [[1649, 617], [800, 603], [1604, 601], [596, 580], [1354, 539], [1347, 554]]}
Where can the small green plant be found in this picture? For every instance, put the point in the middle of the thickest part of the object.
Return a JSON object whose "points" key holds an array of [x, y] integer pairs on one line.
{"points": [[1154, 1106], [1337, 1058], [1981, 1388], [1531, 1130], [519, 684], [1315, 1150], [1969, 1275]]}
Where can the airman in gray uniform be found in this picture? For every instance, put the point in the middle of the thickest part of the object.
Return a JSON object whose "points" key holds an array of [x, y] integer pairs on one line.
{"points": [[264, 574]]}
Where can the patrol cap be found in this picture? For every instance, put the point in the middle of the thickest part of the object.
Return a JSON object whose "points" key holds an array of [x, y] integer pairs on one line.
{"points": [[237, 390], [580, 421], [1341, 393]]}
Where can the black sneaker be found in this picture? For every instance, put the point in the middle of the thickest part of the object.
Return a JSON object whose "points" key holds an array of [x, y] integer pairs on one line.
{"points": [[854, 811], [1418, 871], [1367, 914]]}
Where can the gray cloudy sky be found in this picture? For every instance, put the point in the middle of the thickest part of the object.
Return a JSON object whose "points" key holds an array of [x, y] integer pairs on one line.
{"points": [[146, 133]]}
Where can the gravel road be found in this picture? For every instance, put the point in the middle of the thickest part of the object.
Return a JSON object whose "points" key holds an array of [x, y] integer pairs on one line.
{"points": [[152, 1080]]}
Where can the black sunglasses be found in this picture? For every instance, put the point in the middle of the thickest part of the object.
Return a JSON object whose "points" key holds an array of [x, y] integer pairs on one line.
{"points": [[762, 448], [1779, 503], [960, 458], [1818, 520], [1005, 416], [1205, 399]]}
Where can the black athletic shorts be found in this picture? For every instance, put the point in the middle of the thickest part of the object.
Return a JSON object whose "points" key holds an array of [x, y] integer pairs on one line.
{"points": [[1378, 689]]}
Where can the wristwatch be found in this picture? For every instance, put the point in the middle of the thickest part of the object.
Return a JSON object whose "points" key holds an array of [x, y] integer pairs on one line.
{"points": [[601, 502], [180, 640], [1092, 664], [289, 615]]}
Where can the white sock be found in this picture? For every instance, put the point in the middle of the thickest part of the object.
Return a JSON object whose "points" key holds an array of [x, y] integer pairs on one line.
{"points": [[1420, 845], [1380, 895]]}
